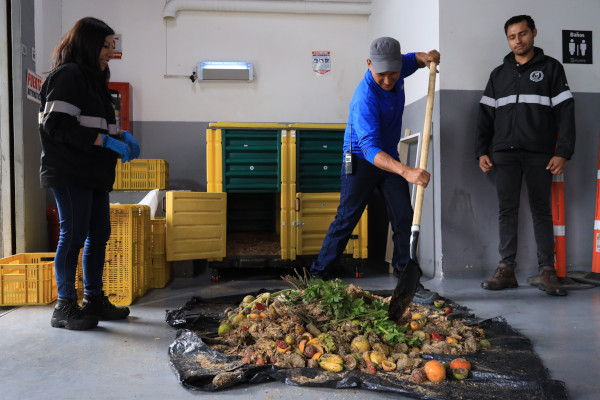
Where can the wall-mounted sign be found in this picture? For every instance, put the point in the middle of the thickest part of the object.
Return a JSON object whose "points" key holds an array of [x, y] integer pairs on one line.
{"points": [[34, 86], [577, 47], [117, 50], [321, 62]]}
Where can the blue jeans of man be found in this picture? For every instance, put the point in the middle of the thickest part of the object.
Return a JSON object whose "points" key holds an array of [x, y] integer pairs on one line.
{"points": [[84, 215], [355, 192], [511, 167]]}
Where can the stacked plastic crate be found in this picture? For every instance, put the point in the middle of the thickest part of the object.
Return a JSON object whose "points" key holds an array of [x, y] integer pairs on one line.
{"points": [[27, 279], [160, 270], [128, 259], [141, 174]]}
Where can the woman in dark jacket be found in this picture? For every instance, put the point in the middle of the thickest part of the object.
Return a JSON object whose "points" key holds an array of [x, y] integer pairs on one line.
{"points": [[80, 147]]}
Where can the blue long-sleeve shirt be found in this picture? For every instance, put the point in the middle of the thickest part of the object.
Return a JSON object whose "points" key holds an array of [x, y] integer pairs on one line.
{"points": [[375, 116]]}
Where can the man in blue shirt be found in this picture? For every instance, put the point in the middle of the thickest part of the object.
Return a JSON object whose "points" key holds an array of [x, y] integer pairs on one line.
{"points": [[371, 157]]}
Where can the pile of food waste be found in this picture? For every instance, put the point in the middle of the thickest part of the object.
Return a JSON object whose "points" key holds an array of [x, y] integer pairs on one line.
{"points": [[336, 327]]}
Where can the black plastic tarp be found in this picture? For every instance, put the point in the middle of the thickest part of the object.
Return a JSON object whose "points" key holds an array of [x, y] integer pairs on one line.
{"points": [[509, 370]]}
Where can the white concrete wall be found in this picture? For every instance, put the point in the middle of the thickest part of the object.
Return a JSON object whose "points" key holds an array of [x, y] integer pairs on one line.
{"points": [[415, 24], [280, 46], [473, 41], [48, 27]]}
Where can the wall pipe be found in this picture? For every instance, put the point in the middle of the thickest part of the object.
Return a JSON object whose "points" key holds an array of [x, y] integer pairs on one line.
{"points": [[268, 6]]}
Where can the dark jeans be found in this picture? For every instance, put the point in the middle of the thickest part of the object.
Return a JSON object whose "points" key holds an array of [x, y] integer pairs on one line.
{"points": [[511, 167], [354, 195], [84, 218]]}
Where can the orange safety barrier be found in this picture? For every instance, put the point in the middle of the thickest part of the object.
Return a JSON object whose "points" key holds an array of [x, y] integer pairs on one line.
{"points": [[596, 257], [558, 220]]}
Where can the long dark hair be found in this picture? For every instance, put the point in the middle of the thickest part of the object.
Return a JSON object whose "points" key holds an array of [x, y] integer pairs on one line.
{"points": [[82, 45]]}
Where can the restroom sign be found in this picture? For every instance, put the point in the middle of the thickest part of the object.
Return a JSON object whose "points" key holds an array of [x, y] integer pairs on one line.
{"points": [[577, 47]]}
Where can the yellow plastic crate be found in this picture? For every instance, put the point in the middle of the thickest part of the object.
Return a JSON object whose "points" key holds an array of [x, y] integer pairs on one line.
{"points": [[158, 227], [27, 279], [141, 174], [128, 255], [160, 272]]}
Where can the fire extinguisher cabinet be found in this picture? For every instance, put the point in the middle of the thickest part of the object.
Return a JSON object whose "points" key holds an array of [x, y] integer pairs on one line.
{"points": [[122, 94]]}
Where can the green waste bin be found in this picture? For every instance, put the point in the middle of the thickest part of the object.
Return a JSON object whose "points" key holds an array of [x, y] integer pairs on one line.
{"points": [[318, 160], [251, 160]]}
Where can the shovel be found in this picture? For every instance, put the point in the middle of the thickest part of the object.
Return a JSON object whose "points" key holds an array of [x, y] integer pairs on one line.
{"points": [[408, 282]]}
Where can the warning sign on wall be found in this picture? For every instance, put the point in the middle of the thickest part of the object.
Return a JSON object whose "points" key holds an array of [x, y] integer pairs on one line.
{"points": [[321, 62], [577, 47], [34, 86]]}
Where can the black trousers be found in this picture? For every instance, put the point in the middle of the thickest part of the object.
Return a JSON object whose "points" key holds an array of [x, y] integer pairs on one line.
{"points": [[511, 167]]}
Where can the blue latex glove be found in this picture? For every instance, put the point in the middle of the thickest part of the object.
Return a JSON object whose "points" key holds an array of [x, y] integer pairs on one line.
{"points": [[118, 147], [130, 140]]}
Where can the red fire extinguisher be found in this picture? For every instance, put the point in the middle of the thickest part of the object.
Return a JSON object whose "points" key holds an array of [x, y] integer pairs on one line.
{"points": [[53, 226]]}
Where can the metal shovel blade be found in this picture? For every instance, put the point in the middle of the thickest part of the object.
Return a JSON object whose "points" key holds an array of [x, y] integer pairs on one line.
{"points": [[408, 282]]}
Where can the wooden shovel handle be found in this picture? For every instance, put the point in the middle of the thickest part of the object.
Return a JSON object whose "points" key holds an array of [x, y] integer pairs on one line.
{"points": [[418, 209]]}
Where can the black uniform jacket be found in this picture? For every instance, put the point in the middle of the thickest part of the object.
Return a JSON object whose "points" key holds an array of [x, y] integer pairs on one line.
{"points": [[74, 109], [527, 107]]}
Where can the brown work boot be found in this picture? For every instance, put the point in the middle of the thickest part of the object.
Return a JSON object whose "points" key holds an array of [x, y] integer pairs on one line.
{"points": [[503, 278], [549, 282]]}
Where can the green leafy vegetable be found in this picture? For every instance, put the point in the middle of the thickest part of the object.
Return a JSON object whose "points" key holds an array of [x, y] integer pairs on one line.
{"points": [[340, 307]]}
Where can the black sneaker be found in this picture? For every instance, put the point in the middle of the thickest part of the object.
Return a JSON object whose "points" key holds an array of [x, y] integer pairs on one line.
{"points": [[67, 314], [320, 275], [425, 296], [102, 308]]}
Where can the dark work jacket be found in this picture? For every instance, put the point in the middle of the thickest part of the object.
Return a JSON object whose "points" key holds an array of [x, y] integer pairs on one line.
{"points": [[74, 109], [527, 107]]}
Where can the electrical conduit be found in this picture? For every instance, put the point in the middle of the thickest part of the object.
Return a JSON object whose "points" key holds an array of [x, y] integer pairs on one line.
{"points": [[267, 6]]}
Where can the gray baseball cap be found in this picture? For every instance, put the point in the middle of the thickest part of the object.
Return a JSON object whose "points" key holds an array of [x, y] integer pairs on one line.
{"points": [[385, 55]]}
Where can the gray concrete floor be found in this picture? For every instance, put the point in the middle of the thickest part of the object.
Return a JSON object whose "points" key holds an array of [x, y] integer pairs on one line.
{"points": [[129, 359]]}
